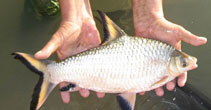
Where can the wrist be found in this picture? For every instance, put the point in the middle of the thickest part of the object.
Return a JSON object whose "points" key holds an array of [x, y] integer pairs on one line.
{"points": [[145, 13], [147, 8], [75, 10]]}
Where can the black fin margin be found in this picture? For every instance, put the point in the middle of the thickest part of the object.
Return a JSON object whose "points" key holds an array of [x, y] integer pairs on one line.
{"points": [[105, 20], [124, 105], [27, 64], [105, 27], [36, 94], [37, 89]]}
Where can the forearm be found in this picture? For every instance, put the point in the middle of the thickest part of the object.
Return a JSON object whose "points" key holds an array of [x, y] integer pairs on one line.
{"points": [[146, 8], [74, 9], [145, 14]]}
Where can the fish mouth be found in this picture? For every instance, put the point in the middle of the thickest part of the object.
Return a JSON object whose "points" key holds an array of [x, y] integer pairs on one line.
{"points": [[193, 61]]}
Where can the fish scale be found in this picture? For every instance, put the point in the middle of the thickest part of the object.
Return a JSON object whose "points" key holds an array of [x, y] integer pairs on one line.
{"points": [[128, 64]]}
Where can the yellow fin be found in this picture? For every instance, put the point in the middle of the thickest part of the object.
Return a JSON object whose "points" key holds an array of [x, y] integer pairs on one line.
{"points": [[44, 86]]}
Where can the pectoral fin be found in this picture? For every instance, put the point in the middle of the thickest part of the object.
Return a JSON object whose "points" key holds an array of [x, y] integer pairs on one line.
{"points": [[126, 101], [111, 30], [161, 81]]}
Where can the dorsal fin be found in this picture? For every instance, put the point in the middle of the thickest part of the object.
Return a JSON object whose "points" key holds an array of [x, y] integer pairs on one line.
{"points": [[111, 30]]}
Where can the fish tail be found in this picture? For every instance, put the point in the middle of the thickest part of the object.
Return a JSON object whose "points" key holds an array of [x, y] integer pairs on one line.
{"points": [[44, 86]]}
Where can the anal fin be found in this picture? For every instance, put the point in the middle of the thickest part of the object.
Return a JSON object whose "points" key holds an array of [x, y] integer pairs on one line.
{"points": [[126, 101]]}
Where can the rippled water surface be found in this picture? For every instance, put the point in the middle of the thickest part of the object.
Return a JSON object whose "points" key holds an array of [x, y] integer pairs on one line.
{"points": [[22, 30]]}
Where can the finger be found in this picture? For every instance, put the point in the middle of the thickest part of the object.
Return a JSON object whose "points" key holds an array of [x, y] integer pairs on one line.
{"points": [[65, 95], [182, 79], [192, 39], [142, 93], [100, 95], [84, 92], [49, 48], [171, 85], [159, 91]]}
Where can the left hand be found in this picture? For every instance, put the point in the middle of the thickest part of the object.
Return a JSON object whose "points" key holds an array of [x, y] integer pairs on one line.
{"points": [[149, 22], [163, 30]]}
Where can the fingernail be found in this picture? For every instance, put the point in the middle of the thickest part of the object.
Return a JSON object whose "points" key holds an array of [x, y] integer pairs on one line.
{"points": [[202, 38], [100, 95], [160, 93], [142, 93], [171, 86], [39, 52], [65, 97], [181, 83], [84, 93]]}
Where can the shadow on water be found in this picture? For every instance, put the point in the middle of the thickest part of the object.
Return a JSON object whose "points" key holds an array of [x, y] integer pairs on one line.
{"points": [[27, 32], [187, 98]]}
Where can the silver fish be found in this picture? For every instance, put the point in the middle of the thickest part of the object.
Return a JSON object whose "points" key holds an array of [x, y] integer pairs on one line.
{"points": [[121, 64]]}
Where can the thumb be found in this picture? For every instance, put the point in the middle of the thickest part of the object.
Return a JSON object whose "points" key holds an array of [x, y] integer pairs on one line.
{"points": [[49, 48], [192, 39]]}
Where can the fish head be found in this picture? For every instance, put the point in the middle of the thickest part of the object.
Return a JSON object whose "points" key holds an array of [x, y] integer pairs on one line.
{"points": [[181, 62]]}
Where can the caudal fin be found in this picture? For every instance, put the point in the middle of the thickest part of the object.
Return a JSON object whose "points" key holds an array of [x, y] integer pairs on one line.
{"points": [[44, 86]]}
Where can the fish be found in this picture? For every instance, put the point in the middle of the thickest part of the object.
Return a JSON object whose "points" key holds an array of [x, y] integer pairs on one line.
{"points": [[121, 64]]}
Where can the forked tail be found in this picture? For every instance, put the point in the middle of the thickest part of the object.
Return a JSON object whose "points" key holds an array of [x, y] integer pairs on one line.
{"points": [[44, 86]]}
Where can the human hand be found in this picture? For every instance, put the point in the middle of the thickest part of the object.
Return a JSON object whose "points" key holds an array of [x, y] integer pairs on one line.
{"points": [[149, 22], [77, 33]]}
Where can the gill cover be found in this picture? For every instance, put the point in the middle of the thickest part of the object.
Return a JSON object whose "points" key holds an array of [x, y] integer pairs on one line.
{"points": [[181, 62], [44, 86]]}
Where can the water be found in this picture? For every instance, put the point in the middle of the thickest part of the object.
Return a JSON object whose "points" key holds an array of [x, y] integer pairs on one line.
{"points": [[22, 30]]}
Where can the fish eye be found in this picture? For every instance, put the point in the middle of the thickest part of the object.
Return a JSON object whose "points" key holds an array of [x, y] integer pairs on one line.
{"points": [[183, 62], [184, 65]]}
